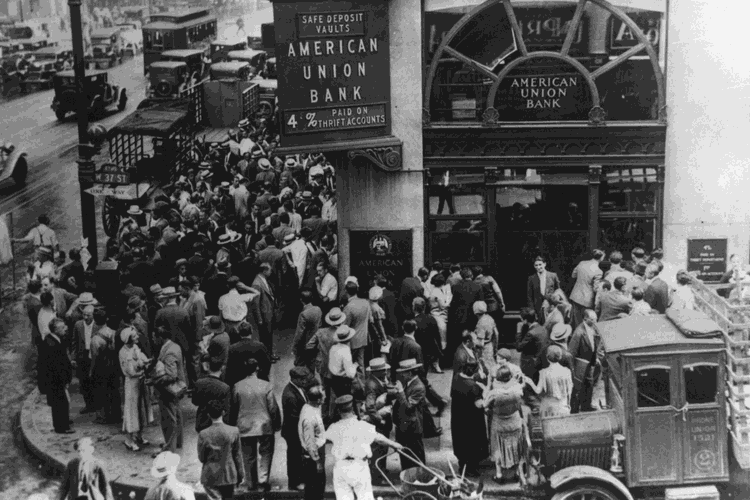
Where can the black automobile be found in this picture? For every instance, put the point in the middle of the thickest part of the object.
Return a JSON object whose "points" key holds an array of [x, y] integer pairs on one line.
{"points": [[167, 79], [39, 76], [99, 94]]}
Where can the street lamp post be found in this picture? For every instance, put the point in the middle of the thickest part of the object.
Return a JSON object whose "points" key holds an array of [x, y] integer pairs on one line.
{"points": [[86, 152]]}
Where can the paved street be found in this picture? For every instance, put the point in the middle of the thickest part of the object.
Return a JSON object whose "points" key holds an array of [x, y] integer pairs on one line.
{"points": [[52, 187]]}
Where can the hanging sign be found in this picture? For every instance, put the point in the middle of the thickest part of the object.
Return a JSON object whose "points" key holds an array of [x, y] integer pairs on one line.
{"points": [[708, 258], [112, 174], [333, 63]]}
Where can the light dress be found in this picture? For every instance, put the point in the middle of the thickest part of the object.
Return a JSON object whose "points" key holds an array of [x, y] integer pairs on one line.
{"points": [[555, 386], [136, 410], [505, 400], [486, 337], [440, 300]]}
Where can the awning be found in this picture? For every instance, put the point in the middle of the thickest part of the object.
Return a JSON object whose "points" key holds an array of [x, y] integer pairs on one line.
{"points": [[465, 5]]}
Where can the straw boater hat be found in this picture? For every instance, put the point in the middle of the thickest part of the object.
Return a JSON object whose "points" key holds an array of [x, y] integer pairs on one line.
{"points": [[264, 164], [377, 365], [335, 317], [224, 185], [290, 238], [560, 332], [316, 170], [87, 299], [376, 293], [243, 123], [126, 333], [135, 210], [408, 365], [345, 402], [345, 333], [257, 153], [205, 165], [205, 174], [165, 464], [227, 238], [307, 195], [290, 162], [180, 262], [168, 292]]}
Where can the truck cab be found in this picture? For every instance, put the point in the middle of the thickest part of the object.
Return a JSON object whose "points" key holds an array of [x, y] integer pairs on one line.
{"points": [[231, 71], [195, 60], [106, 47], [221, 49], [168, 79]]}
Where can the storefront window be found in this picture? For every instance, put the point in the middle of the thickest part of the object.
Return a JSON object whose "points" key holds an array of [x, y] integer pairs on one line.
{"points": [[464, 81], [626, 233], [629, 190], [458, 241], [521, 208]]}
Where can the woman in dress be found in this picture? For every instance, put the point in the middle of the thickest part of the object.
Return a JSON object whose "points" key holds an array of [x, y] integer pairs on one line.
{"points": [[486, 336], [683, 297], [136, 410], [439, 300], [506, 430], [555, 385]]}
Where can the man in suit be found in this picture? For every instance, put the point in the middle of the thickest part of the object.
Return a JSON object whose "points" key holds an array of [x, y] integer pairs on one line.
{"points": [[198, 265], [657, 293], [407, 411], [358, 315], [207, 389], [247, 348], [411, 288], [33, 304], [388, 303], [616, 302], [265, 308], [171, 357], [587, 274], [220, 452], [540, 287], [83, 331], [531, 341], [57, 373], [195, 305], [79, 483], [215, 286], [379, 397], [308, 322], [460, 313], [587, 350], [292, 400], [176, 318]]}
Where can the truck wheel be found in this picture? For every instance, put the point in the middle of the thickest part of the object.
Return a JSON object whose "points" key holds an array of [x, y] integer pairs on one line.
{"points": [[588, 492], [123, 101]]}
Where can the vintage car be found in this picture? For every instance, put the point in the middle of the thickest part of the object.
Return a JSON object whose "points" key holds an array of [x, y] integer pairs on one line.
{"points": [[99, 94], [168, 79], [56, 55], [9, 76], [195, 59], [255, 58], [235, 70], [39, 76], [106, 48], [132, 38], [270, 69], [13, 164], [221, 49]]}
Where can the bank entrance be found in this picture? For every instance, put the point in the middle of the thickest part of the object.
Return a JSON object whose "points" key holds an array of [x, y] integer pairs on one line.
{"points": [[542, 142]]}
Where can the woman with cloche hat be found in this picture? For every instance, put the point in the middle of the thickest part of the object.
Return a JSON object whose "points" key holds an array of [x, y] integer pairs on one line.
{"points": [[136, 410], [485, 335]]}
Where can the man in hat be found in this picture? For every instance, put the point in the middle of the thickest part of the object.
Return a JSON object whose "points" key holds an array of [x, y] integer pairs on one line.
{"points": [[83, 331], [193, 303], [266, 174], [293, 398], [57, 373], [229, 250], [320, 345], [311, 430], [171, 357], [326, 286], [407, 411], [358, 316], [128, 288], [587, 274], [341, 367], [379, 398], [181, 266], [175, 318], [280, 233], [245, 349], [316, 224], [559, 337], [85, 474], [305, 204], [587, 349], [164, 469], [43, 267], [308, 322], [265, 310], [352, 439]]}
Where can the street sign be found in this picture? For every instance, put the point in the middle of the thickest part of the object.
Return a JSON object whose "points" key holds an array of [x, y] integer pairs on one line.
{"points": [[112, 174], [129, 192]]}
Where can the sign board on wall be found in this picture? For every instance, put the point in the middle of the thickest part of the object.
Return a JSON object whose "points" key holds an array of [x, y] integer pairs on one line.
{"points": [[708, 258], [333, 63], [380, 252], [543, 95]]}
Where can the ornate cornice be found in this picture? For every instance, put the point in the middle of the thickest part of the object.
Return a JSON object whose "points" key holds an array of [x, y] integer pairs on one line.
{"points": [[388, 158]]}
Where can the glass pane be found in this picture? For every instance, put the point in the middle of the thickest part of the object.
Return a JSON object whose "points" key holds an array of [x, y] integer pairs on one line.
{"points": [[455, 178], [544, 207], [444, 201], [458, 241], [653, 387], [629, 190], [624, 234], [700, 383]]}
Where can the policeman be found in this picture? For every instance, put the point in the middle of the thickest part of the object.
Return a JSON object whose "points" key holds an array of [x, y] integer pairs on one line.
{"points": [[351, 440]]}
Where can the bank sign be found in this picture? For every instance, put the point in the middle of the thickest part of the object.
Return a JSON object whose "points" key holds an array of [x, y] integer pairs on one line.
{"points": [[333, 71], [543, 96]]}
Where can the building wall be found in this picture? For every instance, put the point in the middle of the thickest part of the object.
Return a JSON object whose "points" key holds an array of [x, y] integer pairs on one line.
{"points": [[707, 181], [371, 199]]}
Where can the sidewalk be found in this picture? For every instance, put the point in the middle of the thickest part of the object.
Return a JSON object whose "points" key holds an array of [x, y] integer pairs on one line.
{"points": [[129, 471]]}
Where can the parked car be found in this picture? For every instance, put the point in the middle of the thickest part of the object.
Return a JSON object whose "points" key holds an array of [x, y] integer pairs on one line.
{"points": [[235, 70], [13, 164], [255, 58], [106, 48], [168, 79], [99, 93], [270, 70], [221, 49], [56, 55], [196, 61], [39, 76], [132, 38]]}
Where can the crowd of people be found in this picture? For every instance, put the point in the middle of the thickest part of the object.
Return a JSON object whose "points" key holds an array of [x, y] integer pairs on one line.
{"points": [[222, 266]]}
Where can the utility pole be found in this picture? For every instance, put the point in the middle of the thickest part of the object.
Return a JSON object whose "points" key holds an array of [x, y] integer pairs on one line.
{"points": [[86, 151]]}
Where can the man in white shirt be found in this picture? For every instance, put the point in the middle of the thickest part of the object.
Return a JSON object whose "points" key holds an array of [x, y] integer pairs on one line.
{"points": [[341, 368], [44, 267], [311, 430], [83, 331], [41, 235], [296, 254], [233, 305], [327, 286], [351, 439], [46, 314]]}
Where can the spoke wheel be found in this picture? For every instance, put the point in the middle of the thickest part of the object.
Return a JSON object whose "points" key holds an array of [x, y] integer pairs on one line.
{"points": [[587, 492], [110, 216]]}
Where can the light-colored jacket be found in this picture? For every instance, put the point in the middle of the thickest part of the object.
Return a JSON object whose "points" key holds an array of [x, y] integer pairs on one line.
{"points": [[586, 274], [255, 410]]}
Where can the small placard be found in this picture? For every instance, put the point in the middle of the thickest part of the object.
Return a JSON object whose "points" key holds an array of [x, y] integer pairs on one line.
{"points": [[708, 258], [112, 174]]}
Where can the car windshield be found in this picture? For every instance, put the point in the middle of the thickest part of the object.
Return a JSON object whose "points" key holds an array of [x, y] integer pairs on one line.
{"points": [[45, 57], [164, 73]]}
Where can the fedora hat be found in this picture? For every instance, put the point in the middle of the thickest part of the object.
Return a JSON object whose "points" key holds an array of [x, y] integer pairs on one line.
{"points": [[335, 317], [215, 324], [155, 289], [135, 210], [378, 364], [168, 292], [134, 302], [345, 333], [408, 365], [560, 332], [87, 299], [165, 463], [227, 238]]}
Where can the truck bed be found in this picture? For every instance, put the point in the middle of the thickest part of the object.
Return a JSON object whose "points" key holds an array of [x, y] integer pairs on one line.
{"points": [[214, 134]]}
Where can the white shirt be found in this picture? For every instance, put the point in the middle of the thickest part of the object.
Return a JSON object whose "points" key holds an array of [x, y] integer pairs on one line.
{"points": [[41, 271], [542, 281], [43, 319], [310, 429], [328, 287], [87, 330], [340, 363], [233, 305], [42, 236], [351, 438], [295, 222], [298, 250]]}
